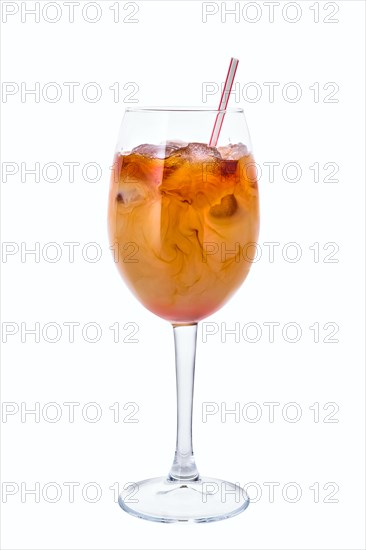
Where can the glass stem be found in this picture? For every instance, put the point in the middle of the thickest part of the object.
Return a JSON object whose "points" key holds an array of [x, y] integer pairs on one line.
{"points": [[184, 467]]}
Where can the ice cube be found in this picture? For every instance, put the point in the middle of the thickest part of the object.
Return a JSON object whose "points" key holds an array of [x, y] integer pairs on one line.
{"points": [[187, 160], [197, 152], [233, 152], [174, 144], [151, 151]]}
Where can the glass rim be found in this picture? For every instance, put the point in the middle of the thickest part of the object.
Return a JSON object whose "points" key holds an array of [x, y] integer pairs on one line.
{"points": [[193, 109]]}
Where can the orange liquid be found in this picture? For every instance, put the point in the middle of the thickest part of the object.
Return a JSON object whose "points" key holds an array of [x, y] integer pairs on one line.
{"points": [[182, 229]]}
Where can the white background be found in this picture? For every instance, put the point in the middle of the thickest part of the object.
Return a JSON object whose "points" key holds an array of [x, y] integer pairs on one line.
{"points": [[169, 53]]}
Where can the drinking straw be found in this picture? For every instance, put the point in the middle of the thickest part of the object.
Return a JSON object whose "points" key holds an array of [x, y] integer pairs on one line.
{"points": [[223, 102]]}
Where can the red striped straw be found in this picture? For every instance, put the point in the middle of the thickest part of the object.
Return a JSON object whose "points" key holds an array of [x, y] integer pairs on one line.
{"points": [[224, 102]]}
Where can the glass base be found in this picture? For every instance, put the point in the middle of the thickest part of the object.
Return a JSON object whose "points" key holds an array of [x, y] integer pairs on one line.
{"points": [[164, 500]]}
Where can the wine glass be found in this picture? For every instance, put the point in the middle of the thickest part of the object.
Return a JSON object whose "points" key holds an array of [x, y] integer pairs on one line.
{"points": [[184, 217]]}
